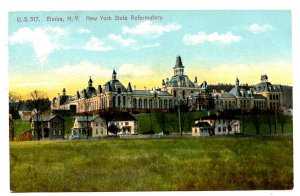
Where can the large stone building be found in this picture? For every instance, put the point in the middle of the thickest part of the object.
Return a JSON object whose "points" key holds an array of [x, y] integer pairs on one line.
{"points": [[114, 95], [180, 86], [272, 93], [177, 90]]}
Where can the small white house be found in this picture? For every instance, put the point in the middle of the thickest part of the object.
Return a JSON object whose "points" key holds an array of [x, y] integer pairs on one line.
{"points": [[216, 124], [95, 125], [126, 123], [98, 126]]}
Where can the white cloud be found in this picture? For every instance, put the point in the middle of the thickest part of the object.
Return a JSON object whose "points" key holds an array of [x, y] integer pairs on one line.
{"points": [[95, 44], [43, 40], [151, 45], [135, 70], [155, 45], [119, 39], [256, 28], [201, 37], [83, 30], [148, 27]]}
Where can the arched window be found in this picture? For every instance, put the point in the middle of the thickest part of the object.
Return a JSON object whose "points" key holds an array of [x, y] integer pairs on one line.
{"points": [[170, 103], [165, 104], [124, 101], [150, 104], [160, 104], [175, 93], [183, 94], [119, 101], [119, 90], [114, 102], [145, 103], [140, 103], [134, 103]]}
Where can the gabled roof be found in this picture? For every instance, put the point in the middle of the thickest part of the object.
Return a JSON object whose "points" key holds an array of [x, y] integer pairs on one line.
{"points": [[150, 93], [84, 118], [202, 124], [47, 118], [236, 92], [258, 96], [227, 95], [123, 116], [216, 117]]}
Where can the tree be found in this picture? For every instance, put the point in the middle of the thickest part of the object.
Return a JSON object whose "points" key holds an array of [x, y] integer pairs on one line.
{"points": [[11, 129], [38, 104], [229, 115], [256, 119], [282, 118], [161, 120], [269, 119], [15, 103], [113, 129], [190, 120], [243, 121], [172, 121]]}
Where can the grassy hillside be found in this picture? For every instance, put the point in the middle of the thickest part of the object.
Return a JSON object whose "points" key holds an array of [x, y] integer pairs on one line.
{"points": [[218, 163], [21, 126], [145, 121]]}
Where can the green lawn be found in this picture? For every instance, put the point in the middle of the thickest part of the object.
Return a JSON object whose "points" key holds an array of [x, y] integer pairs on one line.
{"points": [[21, 126], [216, 163]]}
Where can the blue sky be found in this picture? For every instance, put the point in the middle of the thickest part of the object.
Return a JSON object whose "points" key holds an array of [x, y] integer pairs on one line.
{"points": [[215, 46]]}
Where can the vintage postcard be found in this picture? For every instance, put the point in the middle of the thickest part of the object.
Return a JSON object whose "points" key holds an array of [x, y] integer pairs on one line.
{"points": [[160, 100]]}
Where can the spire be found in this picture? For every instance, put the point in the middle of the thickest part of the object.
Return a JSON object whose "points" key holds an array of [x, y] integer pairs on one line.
{"points": [[129, 89], [178, 63], [99, 89], [237, 82], [64, 91], [163, 82], [196, 81], [179, 68], [114, 75], [90, 83], [78, 95], [84, 93]]}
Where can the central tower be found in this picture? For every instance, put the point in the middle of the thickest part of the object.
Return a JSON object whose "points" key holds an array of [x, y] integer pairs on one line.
{"points": [[178, 68]]}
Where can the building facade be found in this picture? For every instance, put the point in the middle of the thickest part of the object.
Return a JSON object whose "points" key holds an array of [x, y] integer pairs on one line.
{"points": [[50, 126], [114, 95], [173, 92], [216, 124]]}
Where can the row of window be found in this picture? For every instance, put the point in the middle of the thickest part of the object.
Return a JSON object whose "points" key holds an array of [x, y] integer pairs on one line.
{"points": [[224, 129], [56, 132], [163, 104], [121, 123], [274, 97], [101, 131], [56, 124]]}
